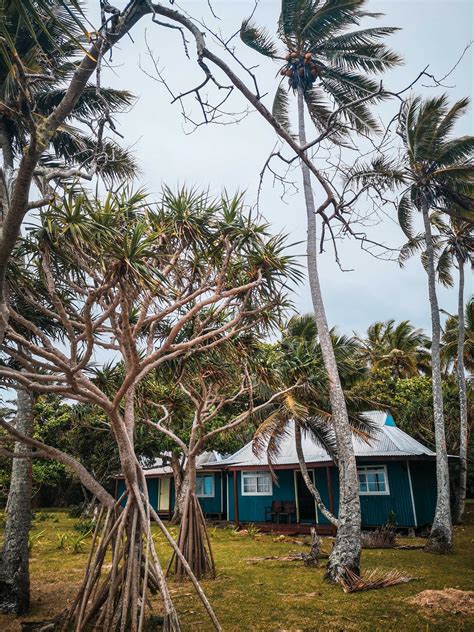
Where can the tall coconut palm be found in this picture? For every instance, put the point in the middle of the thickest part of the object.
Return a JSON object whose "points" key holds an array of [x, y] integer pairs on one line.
{"points": [[458, 350], [327, 64], [454, 247], [398, 346], [437, 173]]}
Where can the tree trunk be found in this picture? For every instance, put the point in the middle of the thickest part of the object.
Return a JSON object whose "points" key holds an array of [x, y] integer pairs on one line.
{"points": [[14, 569], [441, 536], [463, 425], [180, 488], [307, 479], [193, 539], [347, 548]]}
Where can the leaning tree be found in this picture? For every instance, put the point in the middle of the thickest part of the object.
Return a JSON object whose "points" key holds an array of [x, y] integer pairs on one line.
{"points": [[436, 174], [324, 62], [126, 277]]}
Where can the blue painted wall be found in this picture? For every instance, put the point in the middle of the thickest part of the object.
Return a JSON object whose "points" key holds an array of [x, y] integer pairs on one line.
{"points": [[423, 476], [208, 504], [376, 510], [213, 504], [252, 508]]}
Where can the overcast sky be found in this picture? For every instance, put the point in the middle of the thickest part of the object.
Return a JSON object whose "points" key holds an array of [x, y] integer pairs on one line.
{"points": [[433, 32]]}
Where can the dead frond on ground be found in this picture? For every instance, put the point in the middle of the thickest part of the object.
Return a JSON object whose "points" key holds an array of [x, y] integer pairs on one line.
{"points": [[351, 582]]}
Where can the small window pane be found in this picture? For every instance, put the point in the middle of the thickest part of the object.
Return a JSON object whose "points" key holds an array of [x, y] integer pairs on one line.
{"points": [[199, 485], [372, 480]]}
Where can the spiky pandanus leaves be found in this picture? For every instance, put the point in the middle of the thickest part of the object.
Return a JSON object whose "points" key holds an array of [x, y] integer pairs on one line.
{"points": [[326, 59]]}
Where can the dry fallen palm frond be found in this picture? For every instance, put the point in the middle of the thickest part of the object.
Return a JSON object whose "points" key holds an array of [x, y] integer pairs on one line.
{"points": [[377, 578]]}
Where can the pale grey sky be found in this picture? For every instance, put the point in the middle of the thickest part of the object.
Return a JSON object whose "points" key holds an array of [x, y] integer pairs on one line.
{"points": [[434, 32]]}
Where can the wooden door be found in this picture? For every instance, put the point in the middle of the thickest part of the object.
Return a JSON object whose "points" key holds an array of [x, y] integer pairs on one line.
{"points": [[164, 495]]}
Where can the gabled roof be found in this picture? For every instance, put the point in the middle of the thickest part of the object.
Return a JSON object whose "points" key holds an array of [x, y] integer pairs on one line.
{"points": [[388, 441]]}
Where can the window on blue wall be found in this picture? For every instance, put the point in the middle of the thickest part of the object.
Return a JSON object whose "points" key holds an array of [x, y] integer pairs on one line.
{"points": [[256, 484], [205, 485], [373, 480]]}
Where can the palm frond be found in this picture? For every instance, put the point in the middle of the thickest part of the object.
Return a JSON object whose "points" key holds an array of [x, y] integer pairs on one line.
{"points": [[258, 38], [281, 107]]}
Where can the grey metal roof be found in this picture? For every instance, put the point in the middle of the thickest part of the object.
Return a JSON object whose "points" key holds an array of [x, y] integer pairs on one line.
{"points": [[203, 460], [389, 441]]}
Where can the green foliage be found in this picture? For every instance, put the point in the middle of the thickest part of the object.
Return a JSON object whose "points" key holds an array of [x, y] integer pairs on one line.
{"points": [[34, 539], [330, 63], [84, 526], [62, 540], [44, 38]]}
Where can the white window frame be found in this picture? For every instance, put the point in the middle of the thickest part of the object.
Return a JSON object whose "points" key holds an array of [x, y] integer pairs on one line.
{"points": [[368, 468], [255, 474], [211, 474]]}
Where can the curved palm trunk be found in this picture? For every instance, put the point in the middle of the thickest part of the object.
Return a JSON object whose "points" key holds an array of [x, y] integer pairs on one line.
{"points": [[463, 426], [307, 479], [346, 551], [14, 568], [441, 535]]}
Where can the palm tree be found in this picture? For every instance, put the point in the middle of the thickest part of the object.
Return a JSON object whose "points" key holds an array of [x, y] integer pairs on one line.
{"points": [[327, 64], [44, 37], [298, 361], [454, 247], [437, 173], [397, 346], [458, 351]]}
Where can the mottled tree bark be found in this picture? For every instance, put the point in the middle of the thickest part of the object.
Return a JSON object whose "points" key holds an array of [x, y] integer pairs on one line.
{"points": [[347, 548], [307, 479], [463, 425], [14, 568], [180, 488], [441, 536]]}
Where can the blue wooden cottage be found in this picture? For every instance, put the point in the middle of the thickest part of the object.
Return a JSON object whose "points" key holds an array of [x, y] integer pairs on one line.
{"points": [[397, 481]]}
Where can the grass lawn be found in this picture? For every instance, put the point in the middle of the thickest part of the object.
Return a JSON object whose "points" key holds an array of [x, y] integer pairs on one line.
{"points": [[269, 595]]}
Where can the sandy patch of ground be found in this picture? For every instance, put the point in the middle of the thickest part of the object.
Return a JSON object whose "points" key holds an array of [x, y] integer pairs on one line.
{"points": [[448, 600]]}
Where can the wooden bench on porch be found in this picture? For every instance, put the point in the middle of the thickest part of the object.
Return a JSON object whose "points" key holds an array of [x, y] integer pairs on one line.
{"points": [[281, 509]]}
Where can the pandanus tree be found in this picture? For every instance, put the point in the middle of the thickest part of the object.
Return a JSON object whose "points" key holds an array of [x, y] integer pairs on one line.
{"points": [[126, 276], [327, 67], [453, 246], [297, 360], [399, 347], [436, 174], [222, 387]]}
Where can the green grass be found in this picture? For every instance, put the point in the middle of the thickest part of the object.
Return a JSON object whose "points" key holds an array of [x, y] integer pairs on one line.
{"points": [[270, 595]]}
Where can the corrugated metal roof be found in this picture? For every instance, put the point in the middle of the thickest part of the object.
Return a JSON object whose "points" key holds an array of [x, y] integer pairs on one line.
{"points": [[389, 441], [208, 458]]}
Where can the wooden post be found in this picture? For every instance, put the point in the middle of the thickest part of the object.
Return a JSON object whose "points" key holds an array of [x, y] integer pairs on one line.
{"points": [[236, 501]]}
